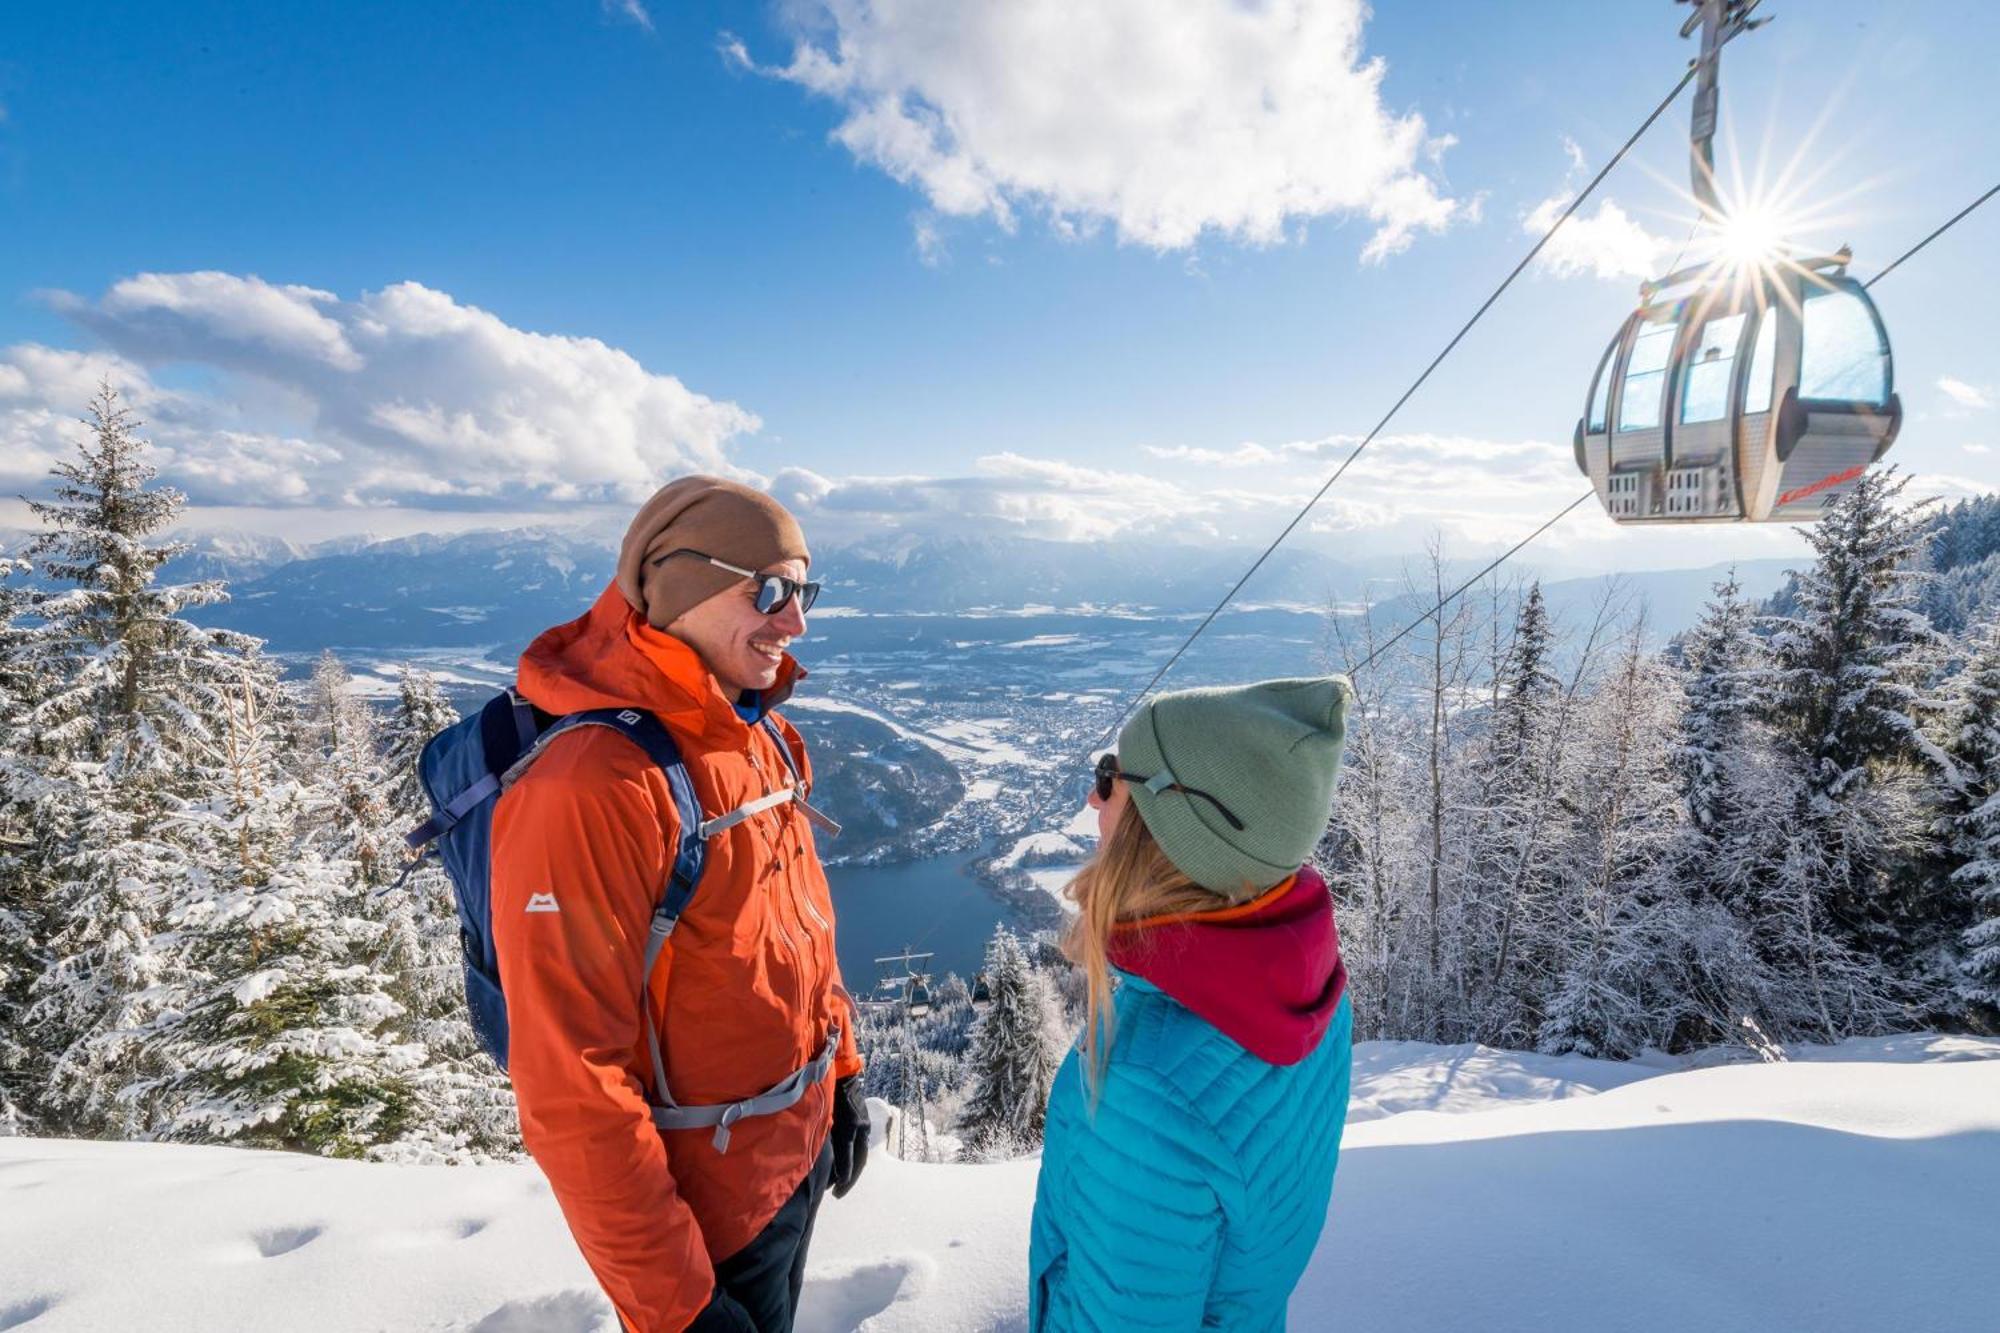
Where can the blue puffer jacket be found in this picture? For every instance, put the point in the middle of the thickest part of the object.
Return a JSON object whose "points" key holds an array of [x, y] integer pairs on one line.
{"points": [[1195, 1195]]}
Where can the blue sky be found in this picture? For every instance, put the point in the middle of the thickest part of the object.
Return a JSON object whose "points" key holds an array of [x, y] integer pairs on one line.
{"points": [[1075, 270]]}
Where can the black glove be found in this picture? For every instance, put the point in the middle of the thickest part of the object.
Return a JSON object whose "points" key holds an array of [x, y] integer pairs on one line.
{"points": [[722, 1315], [850, 1134]]}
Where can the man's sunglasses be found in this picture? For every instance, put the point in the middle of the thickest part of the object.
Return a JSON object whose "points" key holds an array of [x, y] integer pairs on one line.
{"points": [[774, 591], [1108, 772]]}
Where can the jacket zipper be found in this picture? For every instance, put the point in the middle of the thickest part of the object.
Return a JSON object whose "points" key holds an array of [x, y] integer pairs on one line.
{"points": [[779, 851]]}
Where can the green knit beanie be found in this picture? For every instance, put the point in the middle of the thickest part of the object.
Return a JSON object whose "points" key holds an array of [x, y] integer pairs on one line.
{"points": [[1269, 752]]}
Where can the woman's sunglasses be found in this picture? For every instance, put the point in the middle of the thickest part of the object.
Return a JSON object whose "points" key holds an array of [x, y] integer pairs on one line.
{"points": [[1108, 772], [774, 591]]}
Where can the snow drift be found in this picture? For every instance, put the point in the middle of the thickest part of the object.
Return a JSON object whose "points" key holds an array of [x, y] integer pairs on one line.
{"points": [[1849, 1189]]}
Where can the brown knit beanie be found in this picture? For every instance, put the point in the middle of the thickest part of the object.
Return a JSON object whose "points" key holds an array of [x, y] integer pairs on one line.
{"points": [[707, 514]]}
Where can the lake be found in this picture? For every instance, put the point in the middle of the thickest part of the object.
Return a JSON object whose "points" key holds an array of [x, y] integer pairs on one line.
{"points": [[934, 905]]}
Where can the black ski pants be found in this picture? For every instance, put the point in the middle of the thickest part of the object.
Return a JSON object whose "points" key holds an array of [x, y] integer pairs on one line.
{"points": [[766, 1276]]}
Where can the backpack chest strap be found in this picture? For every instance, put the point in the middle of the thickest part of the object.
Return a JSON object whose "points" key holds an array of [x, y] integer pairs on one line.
{"points": [[781, 1096]]}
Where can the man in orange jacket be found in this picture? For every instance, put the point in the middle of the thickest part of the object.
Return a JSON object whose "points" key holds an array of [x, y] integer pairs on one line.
{"points": [[703, 1228]]}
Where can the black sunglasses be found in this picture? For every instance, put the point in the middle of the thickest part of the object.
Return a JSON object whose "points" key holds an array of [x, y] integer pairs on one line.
{"points": [[1108, 772], [774, 591]]}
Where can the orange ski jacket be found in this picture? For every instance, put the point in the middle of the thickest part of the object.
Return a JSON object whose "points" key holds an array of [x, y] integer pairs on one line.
{"points": [[744, 994]]}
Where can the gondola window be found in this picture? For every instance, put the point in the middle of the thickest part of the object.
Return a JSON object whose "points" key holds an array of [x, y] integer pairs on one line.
{"points": [[1600, 395], [1646, 376], [1710, 366], [1843, 358], [1763, 364]]}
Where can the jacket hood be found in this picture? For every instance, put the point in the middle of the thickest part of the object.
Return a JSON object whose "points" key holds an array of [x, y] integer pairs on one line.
{"points": [[609, 657], [1267, 974]]}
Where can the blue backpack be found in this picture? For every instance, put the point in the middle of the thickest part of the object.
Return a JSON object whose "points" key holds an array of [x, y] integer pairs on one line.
{"points": [[468, 766]]}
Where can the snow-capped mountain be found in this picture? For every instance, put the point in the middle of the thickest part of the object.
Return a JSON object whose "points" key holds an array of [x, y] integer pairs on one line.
{"points": [[501, 587]]}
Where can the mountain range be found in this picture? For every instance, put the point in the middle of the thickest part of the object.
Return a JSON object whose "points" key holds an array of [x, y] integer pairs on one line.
{"points": [[502, 586]]}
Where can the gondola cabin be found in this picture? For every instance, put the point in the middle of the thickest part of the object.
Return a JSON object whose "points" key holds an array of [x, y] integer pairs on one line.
{"points": [[1758, 394]]}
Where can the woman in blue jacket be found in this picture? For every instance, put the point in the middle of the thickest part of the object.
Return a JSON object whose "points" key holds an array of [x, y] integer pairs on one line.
{"points": [[1192, 1134]]}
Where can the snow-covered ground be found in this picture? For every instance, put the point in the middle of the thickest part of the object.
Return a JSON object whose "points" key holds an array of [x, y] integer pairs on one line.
{"points": [[1852, 1188]]}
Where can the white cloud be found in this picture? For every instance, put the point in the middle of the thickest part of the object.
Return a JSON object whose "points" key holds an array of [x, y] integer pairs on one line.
{"points": [[1607, 243], [1162, 121], [1405, 486], [632, 11], [218, 317], [1247, 454], [400, 396], [1979, 448], [1965, 395], [1948, 489], [1034, 497]]}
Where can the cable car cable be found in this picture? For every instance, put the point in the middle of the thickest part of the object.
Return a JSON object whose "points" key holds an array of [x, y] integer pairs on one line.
{"points": [[1454, 594], [1949, 224], [1407, 394], [1673, 93]]}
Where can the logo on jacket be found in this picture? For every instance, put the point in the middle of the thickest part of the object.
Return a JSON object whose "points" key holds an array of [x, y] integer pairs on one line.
{"points": [[542, 902]]}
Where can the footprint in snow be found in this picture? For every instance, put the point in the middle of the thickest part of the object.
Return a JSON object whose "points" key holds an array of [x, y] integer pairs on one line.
{"points": [[465, 1228], [283, 1240], [573, 1311], [843, 1300], [25, 1312]]}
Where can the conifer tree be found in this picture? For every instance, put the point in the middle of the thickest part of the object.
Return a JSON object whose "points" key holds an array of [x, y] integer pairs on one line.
{"points": [[128, 681], [1847, 705], [1611, 920], [421, 712], [1721, 703], [1016, 1049], [288, 1037], [1528, 690], [127, 689], [1523, 822], [462, 1107], [347, 778], [22, 892], [1709, 871], [1970, 826]]}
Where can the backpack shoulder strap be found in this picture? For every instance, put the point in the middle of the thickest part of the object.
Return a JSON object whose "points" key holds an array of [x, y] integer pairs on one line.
{"points": [[820, 819], [769, 722], [690, 850]]}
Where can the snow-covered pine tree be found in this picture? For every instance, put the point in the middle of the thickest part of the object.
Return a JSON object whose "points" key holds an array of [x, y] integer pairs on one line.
{"points": [[1522, 821], [346, 777], [1709, 874], [421, 712], [128, 690], [1970, 824], [1613, 920], [462, 1107], [288, 1036], [22, 890], [1848, 705], [1722, 700], [1528, 689], [1016, 1049]]}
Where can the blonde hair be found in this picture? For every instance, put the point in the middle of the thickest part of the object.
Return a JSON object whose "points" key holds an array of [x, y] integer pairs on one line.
{"points": [[1128, 880]]}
